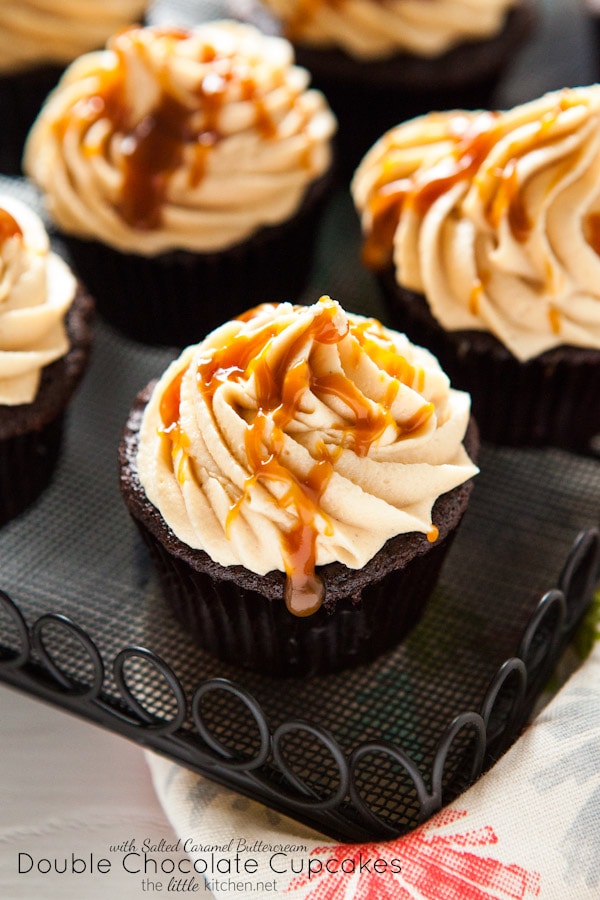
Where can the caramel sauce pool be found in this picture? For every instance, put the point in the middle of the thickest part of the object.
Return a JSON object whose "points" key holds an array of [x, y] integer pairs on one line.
{"points": [[280, 381]]}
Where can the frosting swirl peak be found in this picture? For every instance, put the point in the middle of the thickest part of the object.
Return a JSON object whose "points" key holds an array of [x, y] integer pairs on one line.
{"points": [[295, 436], [180, 138]]}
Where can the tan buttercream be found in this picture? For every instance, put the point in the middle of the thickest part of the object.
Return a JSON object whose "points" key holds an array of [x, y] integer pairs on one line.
{"points": [[33, 32], [498, 218], [36, 290], [386, 460], [370, 30], [249, 139]]}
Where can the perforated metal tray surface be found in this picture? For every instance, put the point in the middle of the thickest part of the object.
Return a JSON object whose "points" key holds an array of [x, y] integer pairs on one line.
{"points": [[365, 753]]}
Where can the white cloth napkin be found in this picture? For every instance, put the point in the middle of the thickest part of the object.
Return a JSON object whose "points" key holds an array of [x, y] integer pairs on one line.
{"points": [[69, 788], [530, 827]]}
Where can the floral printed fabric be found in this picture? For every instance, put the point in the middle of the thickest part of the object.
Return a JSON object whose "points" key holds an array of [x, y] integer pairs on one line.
{"points": [[528, 828]]}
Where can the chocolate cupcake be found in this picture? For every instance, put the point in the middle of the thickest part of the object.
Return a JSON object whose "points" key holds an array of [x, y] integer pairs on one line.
{"points": [[178, 165], [299, 476], [45, 340], [382, 63], [591, 10], [36, 43], [484, 229]]}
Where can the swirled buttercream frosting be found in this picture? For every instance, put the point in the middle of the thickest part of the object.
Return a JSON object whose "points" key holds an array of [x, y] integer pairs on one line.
{"points": [[371, 29], [36, 290], [296, 436], [33, 32], [494, 217], [173, 138]]}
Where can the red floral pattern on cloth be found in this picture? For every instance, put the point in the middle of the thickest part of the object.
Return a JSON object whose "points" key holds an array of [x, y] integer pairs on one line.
{"points": [[433, 867]]}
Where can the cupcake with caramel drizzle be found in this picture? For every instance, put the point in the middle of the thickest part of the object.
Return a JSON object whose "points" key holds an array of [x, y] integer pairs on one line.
{"points": [[298, 476], [177, 164], [45, 343], [483, 228]]}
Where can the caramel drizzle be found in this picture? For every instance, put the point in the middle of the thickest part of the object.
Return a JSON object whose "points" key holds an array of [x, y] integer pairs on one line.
{"points": [[475, 297], [373, 340], [554, 318], [423, 188], [592, 231], [9, 227], [280, 384], [433, 534], [304, 590], [420, 190], [153, 148], [170, 427]]}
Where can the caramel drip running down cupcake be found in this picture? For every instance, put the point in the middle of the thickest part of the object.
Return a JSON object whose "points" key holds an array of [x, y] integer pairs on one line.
{"points": [[9, 227], [493, 217], [180, 139], [153, 147], [297, 436]]}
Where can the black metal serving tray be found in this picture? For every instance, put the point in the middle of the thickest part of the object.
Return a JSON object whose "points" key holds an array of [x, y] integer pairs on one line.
{"points": [[367, 753]]}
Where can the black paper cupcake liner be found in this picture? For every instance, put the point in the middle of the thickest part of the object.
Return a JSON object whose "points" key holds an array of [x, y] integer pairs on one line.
{"points": [[550, 400], [27, 463], [21, 98], [176, 298], [247, 629]]}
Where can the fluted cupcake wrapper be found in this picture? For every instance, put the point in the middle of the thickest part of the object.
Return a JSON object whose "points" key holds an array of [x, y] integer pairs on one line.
{"points": [[176, 298], [550, 400], [21, 97], [245, 628], [27, 463]]}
